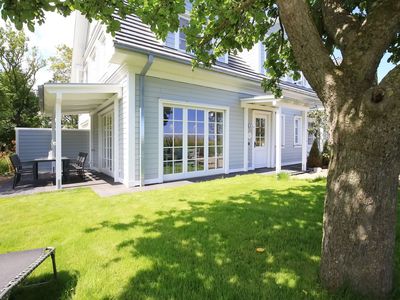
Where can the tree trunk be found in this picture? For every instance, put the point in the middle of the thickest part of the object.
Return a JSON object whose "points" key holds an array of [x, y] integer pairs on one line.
{"points": [[360, 207]]}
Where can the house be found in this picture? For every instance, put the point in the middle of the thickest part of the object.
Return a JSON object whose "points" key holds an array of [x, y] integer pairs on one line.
{"points": [[152, 119]]}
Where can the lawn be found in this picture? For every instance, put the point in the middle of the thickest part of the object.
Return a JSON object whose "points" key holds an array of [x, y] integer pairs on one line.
{"points": [[193, 242]]}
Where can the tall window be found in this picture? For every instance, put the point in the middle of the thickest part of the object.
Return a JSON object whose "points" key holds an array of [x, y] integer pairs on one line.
{"points": [[193, 140], [215, 140], [283, 129], [173, 140], [297, 131]]}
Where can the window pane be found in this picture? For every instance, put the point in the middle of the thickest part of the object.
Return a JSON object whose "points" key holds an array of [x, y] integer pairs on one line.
{"points": [[191, 140], [211, 163], [178, 167], [168, 126], [200, 128], [200, 165], [220, 140], [211, 140], [220, 128], [211, 116], [211, 151], [191, 115], [178, 114], [200, 140], [200, 115], [178, 127], [220, 163], [211, 128], [167, 154], [168, 141], [191, 127], [220, 151], [191, 165], [178, 141], [167, 167], [200, 152], [191, 153], [220, 117], [168, 113], [178, 154]]}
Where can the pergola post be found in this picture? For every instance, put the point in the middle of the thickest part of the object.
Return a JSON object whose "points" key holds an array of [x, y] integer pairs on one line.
{"points": [[246, 139], [116, 139], [278, 142], [58, 115], [304, 141]]}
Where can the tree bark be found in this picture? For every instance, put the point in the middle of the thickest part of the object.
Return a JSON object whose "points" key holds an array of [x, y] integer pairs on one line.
{"points": [[360, 206]]}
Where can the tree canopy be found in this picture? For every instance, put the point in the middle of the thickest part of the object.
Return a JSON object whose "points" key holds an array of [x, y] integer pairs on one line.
{"points": [[218, 27], [18, 69]]}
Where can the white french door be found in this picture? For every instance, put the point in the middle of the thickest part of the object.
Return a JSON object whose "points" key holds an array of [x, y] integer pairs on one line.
{"points": [[261, 139], [106, 160], [193, 141]]}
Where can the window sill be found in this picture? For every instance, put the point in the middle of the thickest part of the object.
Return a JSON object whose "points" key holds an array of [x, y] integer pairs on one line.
{"points": [[297, 146]]}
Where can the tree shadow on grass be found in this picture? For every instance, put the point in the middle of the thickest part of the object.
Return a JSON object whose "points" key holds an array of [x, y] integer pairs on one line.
{"points": [[209, 250], [61, 288]]}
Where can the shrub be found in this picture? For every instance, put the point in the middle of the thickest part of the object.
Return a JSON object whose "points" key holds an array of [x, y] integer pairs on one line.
{"points": [[326, 155], [4, 164], [283, 176], [314, 158]]}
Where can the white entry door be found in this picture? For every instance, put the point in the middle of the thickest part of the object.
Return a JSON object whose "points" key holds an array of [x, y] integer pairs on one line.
{"points": [[107, 143], [260, 140]]}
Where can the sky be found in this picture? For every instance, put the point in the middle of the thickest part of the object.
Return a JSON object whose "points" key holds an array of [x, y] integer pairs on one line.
{"points": [[55, 31], [60, 30]]}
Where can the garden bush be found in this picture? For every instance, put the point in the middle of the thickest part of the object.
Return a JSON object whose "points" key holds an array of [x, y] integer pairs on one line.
{"points": [[325, 155], [314, 157]]}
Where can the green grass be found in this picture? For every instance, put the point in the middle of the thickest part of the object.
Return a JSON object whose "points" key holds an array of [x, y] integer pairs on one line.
{"points": [[192, 242]]}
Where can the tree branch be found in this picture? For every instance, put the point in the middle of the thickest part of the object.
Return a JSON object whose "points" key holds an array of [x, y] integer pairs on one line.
{"points": [[339, 24], [310, 53], [376, 33]]}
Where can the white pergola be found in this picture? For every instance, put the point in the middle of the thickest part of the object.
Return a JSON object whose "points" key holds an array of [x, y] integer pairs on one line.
{"points": [[291, 100], [72, 99]]}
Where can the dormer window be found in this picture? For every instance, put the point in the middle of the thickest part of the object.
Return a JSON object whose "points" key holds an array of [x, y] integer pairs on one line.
{"points": [[177, 40], [183, 22]]}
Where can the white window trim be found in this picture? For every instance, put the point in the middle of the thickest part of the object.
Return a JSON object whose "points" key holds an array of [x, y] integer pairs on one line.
{"points": [[297, 118], [206, 172], [283, 130]]}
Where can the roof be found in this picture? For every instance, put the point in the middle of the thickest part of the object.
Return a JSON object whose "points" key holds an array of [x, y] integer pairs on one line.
{"points": [[136, 36]]}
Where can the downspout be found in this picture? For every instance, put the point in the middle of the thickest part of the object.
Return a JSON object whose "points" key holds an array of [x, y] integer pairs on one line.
{"points": [[147, 66]]}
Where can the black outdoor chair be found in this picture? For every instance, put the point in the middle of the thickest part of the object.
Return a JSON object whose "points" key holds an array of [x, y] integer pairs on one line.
{"points": [[20, 169], [79, 164], [16, 266]]}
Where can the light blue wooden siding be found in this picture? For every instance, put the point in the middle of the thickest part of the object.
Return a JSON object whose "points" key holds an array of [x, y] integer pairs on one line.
{"points": [[290, 153], [156, 89], [33, 143]]}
